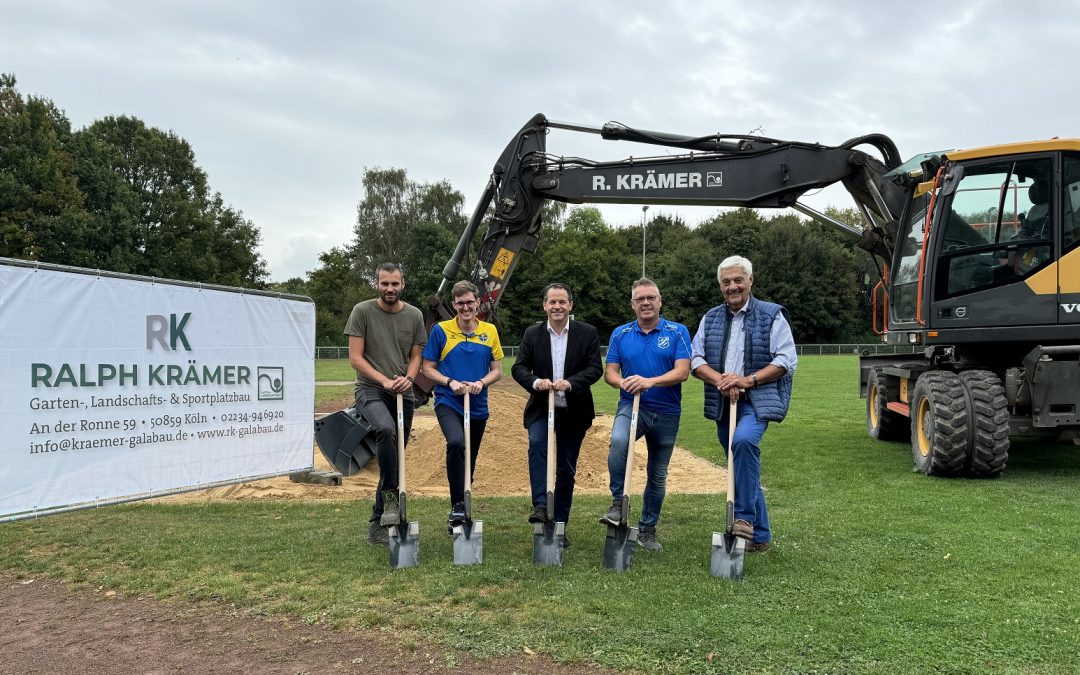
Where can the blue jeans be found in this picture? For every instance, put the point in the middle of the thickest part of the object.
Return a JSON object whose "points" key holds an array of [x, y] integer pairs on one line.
{"points": [[659, 432], [567, 448], [749, 497]]}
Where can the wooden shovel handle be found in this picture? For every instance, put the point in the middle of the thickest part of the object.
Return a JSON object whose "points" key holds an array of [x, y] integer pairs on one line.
{"points": [[732, 412], [400, 443], [551, 441], [630, 444], [468, 446]]}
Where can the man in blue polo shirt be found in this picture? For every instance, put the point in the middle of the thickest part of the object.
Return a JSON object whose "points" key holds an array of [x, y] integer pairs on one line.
{"points": [[648, 356]]}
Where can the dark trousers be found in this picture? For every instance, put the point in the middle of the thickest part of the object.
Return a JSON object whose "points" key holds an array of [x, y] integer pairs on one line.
{"points": [[568, 440], [379, 407], [453, 428]]}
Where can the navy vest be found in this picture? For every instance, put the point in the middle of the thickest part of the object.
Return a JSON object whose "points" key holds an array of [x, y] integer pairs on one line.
{"points": [[770, 400]]}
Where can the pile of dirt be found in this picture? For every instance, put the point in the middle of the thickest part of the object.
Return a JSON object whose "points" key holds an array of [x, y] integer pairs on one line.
{"points": [[501, 468]]}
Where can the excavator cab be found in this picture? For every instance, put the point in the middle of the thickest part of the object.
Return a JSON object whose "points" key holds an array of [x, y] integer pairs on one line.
{"points": [[991, 238]]}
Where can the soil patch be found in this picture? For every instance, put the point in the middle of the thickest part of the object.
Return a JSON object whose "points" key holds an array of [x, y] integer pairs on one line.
{"points": [[501, 468], [45, 628]]}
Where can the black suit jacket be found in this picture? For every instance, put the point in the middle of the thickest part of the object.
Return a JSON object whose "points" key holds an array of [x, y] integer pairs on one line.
{"points": [[581, 369]]}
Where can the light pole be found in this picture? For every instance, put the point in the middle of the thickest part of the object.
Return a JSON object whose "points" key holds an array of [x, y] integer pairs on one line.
{"points": [[643, 210]]}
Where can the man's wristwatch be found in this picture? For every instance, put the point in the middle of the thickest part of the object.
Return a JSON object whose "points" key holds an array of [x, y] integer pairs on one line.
{"points": [[754, 378]]}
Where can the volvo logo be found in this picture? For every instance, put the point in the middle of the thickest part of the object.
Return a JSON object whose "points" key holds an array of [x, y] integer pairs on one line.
{"points": [[961, 312]]}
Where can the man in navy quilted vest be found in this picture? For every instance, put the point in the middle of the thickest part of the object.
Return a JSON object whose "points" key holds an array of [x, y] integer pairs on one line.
{"points": [[743, 349]]}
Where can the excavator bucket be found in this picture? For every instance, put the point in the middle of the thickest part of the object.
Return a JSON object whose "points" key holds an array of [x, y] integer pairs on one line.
{"points": [[345, 440]]}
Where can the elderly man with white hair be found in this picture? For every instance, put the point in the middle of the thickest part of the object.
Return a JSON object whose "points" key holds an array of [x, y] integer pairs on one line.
{"points": [[743, 349]]}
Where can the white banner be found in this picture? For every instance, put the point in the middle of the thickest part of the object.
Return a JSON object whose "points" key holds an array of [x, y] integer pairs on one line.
{"points": [[114, 388]]}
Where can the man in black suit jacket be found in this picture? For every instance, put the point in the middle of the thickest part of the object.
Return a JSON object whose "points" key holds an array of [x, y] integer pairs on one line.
{"points": [[563, 355]]}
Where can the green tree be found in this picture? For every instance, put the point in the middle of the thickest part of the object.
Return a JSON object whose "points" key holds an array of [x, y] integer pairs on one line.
{"points": [[391, 208], [584, 253], [39, 192], [810, 275], [735, 232], [431, 246], [292, 286], [685, 266], [335, 286], [153, 210], [686, 275]]}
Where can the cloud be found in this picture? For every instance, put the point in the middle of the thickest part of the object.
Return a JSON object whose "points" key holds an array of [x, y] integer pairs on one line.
{"points": [[285, 104]]}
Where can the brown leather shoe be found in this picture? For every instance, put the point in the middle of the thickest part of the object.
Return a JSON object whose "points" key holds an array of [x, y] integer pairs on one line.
{"points": [[757, 546], [538, 515], [743, 529]]}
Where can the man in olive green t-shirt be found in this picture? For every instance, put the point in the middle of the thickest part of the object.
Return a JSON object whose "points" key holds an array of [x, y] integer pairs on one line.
{"points": [[386, 336]]}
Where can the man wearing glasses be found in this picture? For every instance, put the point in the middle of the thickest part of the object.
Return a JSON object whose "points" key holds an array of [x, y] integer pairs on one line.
{"points": [[385, 338], [463, 354], [649, 356], [561, 355]]}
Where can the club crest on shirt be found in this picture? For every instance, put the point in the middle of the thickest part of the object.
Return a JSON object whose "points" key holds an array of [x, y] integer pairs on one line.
{"points": [[663, 342]]}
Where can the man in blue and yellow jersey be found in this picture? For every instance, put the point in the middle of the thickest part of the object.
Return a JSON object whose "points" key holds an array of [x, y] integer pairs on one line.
{"points": [[463, 354]]}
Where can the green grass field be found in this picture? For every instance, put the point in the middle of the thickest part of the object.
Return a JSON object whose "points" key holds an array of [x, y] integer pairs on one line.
{"points": [[875, 568], [334, 369]]}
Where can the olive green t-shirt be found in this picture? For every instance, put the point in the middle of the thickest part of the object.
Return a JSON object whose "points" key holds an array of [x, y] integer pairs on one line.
{"points": [[388, 337]]}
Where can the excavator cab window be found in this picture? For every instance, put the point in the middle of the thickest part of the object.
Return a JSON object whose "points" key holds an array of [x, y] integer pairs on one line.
{"points": [[1070, 218], [997, 228], [904, 298]]}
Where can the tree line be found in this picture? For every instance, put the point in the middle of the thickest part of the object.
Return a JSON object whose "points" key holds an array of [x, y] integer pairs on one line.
{"points": [[116, 195], [123, 196], [809, 268]]}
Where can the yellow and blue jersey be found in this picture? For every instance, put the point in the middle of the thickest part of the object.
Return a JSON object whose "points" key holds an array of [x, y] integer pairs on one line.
{"points": [[465, 357]]}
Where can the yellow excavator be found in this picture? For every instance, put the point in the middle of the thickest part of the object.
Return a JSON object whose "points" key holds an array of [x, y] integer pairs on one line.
{"points": [[977, 253]]}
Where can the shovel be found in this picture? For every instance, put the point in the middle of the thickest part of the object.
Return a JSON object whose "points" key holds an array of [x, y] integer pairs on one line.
{"points": [[549, 537], [405, 536], [622, 540], [469, 536], [729, 551]]}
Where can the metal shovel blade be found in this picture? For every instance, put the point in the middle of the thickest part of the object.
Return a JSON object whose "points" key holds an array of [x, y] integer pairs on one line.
{"points": [[405, 546], [619, 547], [468, 539], [549, 540], [728, 554]]}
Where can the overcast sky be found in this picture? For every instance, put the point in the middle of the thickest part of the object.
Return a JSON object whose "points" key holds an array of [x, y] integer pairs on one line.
{"points": [[285, 104]]}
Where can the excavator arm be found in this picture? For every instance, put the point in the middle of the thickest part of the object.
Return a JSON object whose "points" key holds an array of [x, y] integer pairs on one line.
{"points": [[717, 170]]}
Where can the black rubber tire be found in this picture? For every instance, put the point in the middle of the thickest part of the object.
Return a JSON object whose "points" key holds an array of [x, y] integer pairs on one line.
{"points": [[940, 428], [882, 423], [989, 424]]}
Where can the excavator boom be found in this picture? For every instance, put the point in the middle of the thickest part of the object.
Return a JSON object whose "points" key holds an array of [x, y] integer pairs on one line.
{"points": [[717, 170]]}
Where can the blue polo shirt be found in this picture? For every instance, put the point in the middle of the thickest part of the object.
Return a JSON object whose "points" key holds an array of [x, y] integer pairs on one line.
{"points": [[651, 354], [465, 357]]}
